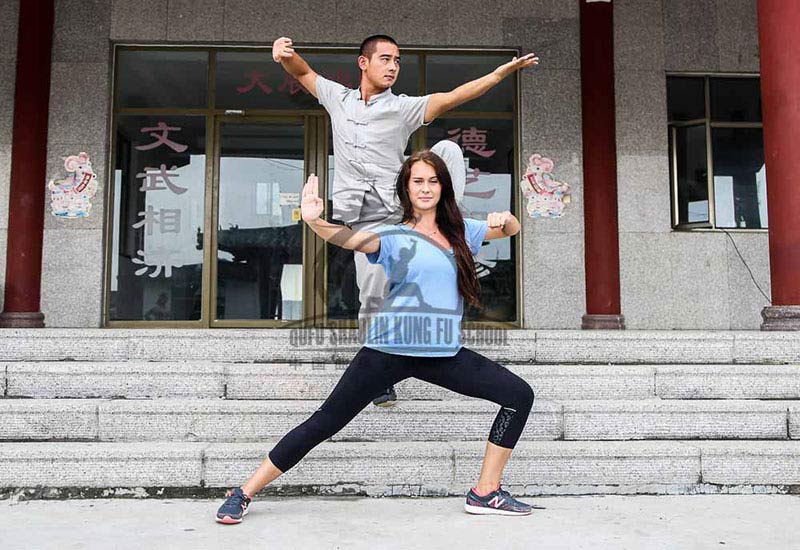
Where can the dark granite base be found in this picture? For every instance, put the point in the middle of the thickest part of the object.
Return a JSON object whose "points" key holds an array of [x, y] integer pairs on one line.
{"points": [[603, 322], [781, 318]]}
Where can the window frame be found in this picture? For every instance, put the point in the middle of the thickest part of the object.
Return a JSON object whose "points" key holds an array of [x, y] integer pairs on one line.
{"points": [[318, 123], [672, 127]]}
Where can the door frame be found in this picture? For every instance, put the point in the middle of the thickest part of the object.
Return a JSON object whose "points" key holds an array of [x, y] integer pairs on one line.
{"points": [[311, 154]]}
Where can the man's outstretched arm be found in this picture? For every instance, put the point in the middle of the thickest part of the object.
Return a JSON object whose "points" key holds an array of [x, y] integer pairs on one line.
{"points": [[283, 53], [442, 102]]}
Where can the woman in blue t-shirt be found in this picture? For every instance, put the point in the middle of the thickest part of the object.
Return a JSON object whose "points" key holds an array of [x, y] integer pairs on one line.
{"points": [[428, 258]]}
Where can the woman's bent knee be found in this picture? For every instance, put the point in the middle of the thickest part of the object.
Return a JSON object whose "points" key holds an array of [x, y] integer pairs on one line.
{"points": [[523, 396]]}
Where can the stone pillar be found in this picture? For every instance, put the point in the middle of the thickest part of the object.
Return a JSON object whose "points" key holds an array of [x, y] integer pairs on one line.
{"points": [[28, 166], [779, 44], [599, 166]]}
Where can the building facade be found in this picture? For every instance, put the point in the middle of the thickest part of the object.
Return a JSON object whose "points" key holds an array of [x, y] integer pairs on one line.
{"points": [[162, 92]]}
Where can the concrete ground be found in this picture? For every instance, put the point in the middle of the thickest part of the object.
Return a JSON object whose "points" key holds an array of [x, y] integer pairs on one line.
{"points": [[753, 522]]}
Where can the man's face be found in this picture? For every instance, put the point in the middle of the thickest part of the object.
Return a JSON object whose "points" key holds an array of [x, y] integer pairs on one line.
{"points": [[382, 69]]}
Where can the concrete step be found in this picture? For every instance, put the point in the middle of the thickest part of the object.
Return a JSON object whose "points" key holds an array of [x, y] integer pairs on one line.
{"points": [[727, 381], [138, 379], [292, 381], [131, 380], [673, 419], [226, 420], [451, 420], [332, 345], [410, 468]]}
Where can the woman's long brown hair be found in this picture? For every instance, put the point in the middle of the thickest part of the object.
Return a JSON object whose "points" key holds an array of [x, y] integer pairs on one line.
{"points": [[448, 218]]}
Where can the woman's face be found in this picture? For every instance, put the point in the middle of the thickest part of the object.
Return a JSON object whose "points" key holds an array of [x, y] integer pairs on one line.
{"points": [[424, 188]]}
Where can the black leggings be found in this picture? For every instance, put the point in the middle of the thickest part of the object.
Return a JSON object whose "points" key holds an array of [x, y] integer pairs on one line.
{"points": [[371, 372]]}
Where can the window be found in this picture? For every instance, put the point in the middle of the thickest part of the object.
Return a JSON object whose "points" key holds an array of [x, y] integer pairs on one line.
{"points": [[211, 147], [716, 152], [159, 201], [485, 128]]}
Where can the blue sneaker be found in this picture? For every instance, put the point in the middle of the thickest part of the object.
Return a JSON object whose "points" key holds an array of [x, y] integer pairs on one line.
{"points": [[497, 502], [387, 399], [234, 508]]}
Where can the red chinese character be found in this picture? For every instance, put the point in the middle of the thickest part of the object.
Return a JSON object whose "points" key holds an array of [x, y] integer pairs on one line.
{"points": [[292, 85], [472, 139], [473, 176], [162, 138], [255, 80]]}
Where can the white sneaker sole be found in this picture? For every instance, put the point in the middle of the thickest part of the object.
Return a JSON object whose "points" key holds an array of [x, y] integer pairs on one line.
{"points": [[481, 511], [227, 520]]}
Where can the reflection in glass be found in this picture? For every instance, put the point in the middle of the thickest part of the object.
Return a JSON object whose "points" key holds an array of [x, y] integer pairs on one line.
{"points": [[163, 78], [259, 236], [343, 300], [488, 147], [252, 80], [157, 236], [159, 189], [692, 175], [445, 72], [686, 98], [342, 289], [740, 187], [735, 99]]}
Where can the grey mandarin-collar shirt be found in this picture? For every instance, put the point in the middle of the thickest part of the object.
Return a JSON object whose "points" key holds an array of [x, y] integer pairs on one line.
{"points": [[369, 140]]}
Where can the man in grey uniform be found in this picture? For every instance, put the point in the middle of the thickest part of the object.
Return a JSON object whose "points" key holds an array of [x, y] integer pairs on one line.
{"points": [[371, 127]]}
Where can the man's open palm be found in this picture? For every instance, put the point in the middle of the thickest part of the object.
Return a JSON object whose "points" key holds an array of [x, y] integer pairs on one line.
{"points": [[282, 49], [311, 205], [518, 63]]}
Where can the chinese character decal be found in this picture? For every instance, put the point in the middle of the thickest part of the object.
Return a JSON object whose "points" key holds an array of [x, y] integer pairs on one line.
{"points": [[291, 85], [71, 197], [159, 179], [474, 176], [472, 140], [168, 220], [159, 259], [546, 196], [254, 77], [161, 134], [156, 259]]}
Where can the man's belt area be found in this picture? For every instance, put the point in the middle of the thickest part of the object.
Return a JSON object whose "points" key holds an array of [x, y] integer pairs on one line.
{"points": [[349, 204]]}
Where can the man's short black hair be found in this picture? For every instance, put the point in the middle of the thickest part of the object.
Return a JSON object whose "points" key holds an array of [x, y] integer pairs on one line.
{"points": [[370, 43]]}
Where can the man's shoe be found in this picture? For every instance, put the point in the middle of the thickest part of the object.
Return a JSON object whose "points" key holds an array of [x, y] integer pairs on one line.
{"points": [[234, 508], [386, 399], [497, 502]]}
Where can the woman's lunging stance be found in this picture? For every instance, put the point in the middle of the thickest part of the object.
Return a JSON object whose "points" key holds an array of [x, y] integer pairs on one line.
{"points": [[428, 258]]}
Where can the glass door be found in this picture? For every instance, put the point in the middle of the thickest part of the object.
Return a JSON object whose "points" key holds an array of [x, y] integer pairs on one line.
{"points": [[259, 276]]}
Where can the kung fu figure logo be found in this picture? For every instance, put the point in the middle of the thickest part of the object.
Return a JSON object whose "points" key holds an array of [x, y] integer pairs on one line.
{"points": [[546, 196], [71, 197], [406, 318]]}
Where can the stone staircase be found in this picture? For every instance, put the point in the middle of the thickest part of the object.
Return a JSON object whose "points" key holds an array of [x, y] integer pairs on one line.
{"points": [[188, 412]]}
